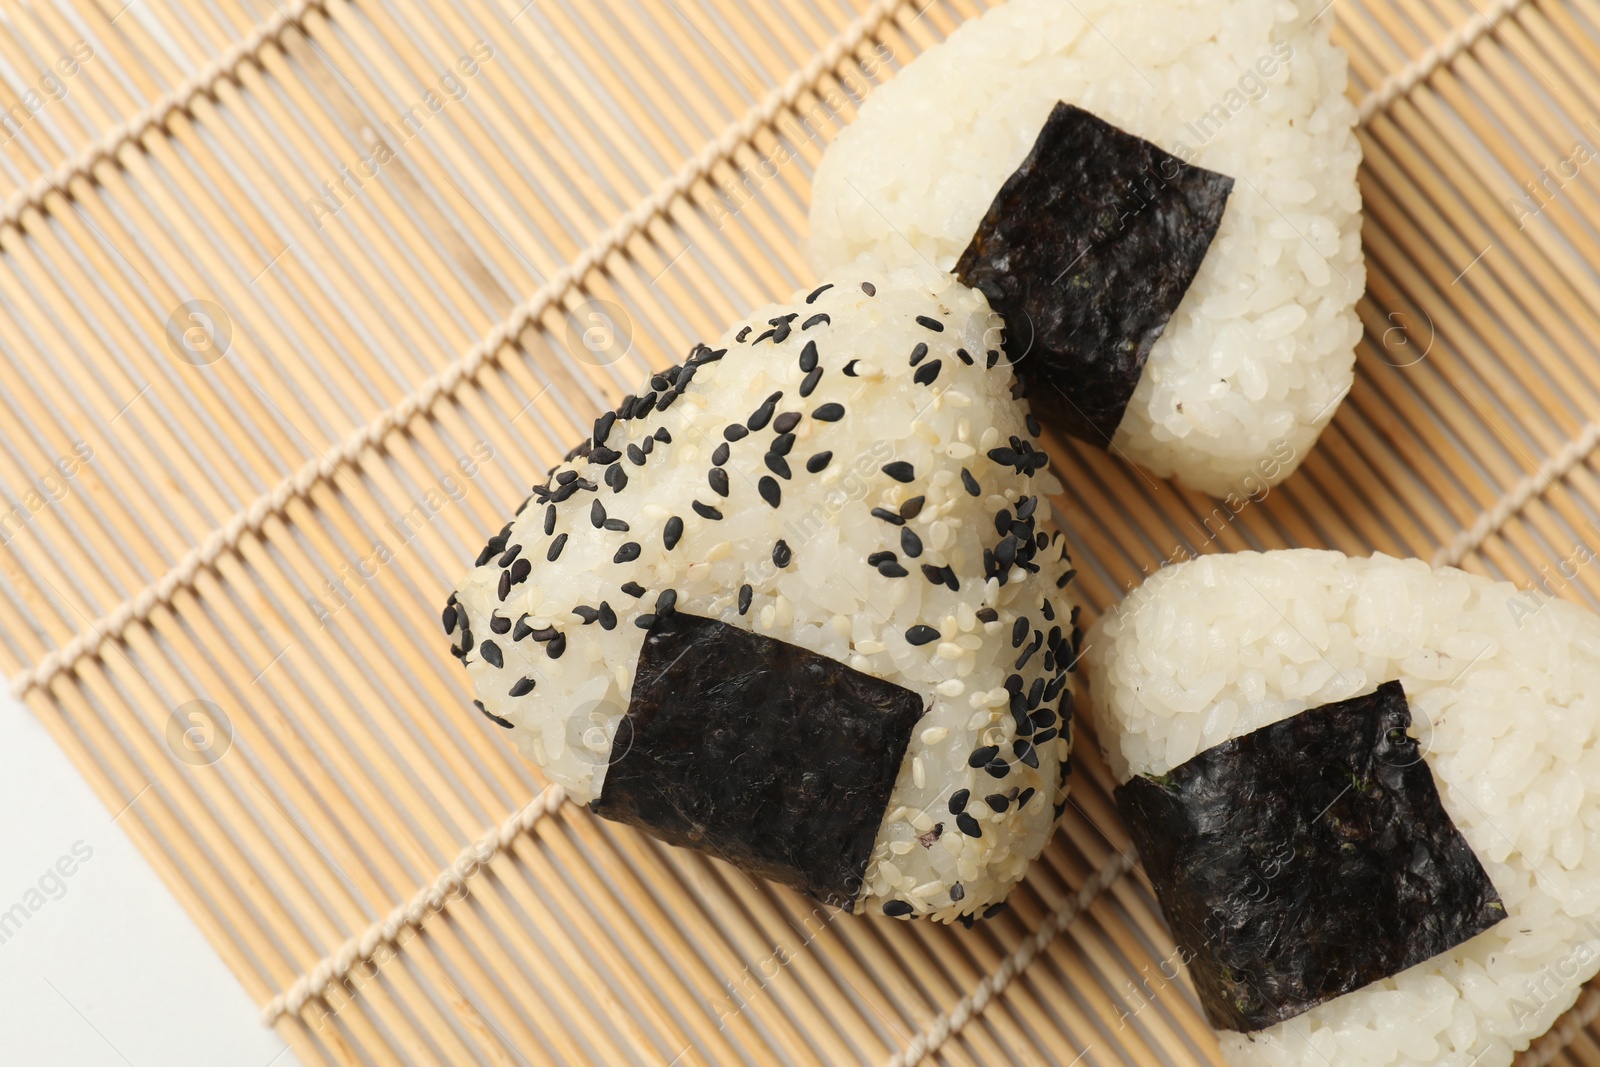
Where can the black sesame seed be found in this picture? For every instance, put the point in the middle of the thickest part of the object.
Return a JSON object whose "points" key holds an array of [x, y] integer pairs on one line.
{"points": [[1044, 736], [510, 556], [910, 543], [761, 416], [768, 488], [930, 323], [521, 569], [991, 358], [994, 909], [742, 334], [706, 511], [604, 456], [523, 687], [586, 613], [928, 373], [998, 768], [633, 589], [890, 569], [919, 353], [934, 574], [879, 557], [499, 624], [785, 423], [777, 465], [897, 908], [819, 462], [900, 470], [958, 801], [850, 368], [448, 617], [616, 526], [970, 483], [965, 356], [819, 319], [648, 445], [597, 514], [608, 617], [913, 507], [719, 455], [784, 442], [672, 532], [735, 432], [667, 602], [616, 477], [983, 755], [627, 553], [745, 593], [718, 480], [763, 337], [645, 621], [809, 385], [987, 615], [602, 427], [921, 634], [549, 520], [869, 288], [1033, 424], [1019, 632], [555, 548], [957, 892], [661, 433], [808, 357], [565, 477], [968, 825], [829, 412], [998, 802], [781, 554], [1027, 795], [888, 516], [1024, 751], [636, 455], [818, 291], [491, 654]]}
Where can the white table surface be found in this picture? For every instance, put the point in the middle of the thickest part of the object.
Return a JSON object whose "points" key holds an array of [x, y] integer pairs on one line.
{"points": [[108, 969]]}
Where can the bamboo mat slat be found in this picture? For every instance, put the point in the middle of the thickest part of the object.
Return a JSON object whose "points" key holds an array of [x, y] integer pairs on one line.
{"points": [[248, 530]]}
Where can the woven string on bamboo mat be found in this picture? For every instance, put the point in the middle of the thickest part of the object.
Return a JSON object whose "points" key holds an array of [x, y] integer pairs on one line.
{"points": [[286, 314]]}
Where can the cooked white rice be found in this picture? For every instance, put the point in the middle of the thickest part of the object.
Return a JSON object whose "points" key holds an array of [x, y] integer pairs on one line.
{"points": [[940, 413], [1258, 355], [1505, 698]]}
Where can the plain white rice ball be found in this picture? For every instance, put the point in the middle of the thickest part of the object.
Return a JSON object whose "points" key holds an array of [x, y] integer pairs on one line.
{"points": [[1261, 350], [1504, 690]]}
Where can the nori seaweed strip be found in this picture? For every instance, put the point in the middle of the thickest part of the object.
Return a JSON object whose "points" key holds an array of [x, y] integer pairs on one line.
{"points": [[1306, 860], [1086, 252], [777, 759]]}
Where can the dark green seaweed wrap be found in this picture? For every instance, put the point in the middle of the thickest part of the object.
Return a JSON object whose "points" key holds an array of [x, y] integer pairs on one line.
{"points": [[1086, 252], [1306, 860], [775, 758]]}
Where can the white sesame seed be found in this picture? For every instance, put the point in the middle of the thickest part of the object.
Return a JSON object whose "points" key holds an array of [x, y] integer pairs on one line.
{"points": [[950, 650], [934, 734], [869, 648], [950, 687]]}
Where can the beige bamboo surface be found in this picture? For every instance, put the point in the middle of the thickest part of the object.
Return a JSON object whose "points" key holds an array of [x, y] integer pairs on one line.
{"points": [[612, 150]]}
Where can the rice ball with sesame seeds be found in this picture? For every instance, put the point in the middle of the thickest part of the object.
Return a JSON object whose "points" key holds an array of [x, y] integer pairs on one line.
{"points": [[797, 604]]}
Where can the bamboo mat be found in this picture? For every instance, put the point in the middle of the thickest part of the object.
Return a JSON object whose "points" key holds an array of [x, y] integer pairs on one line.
{"points": [[265, 388]]}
